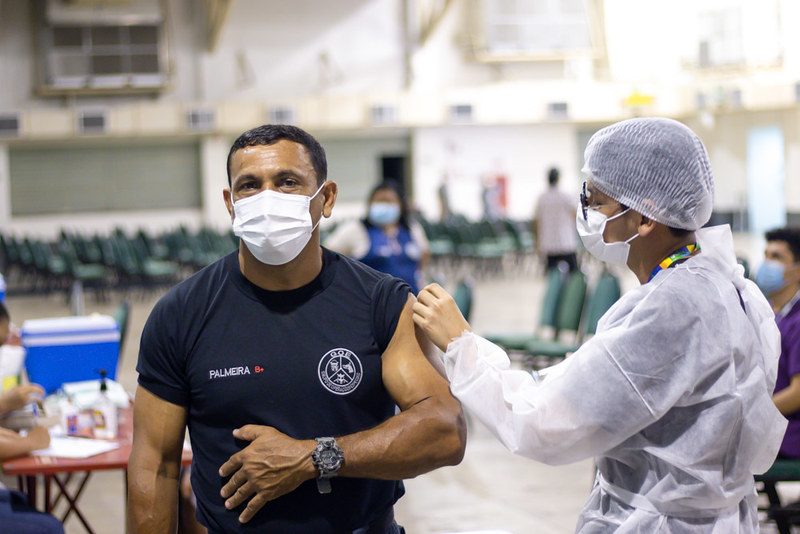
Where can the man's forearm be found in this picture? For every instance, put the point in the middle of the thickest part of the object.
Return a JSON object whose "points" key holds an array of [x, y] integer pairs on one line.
{"points": [[152, 501], [428, 435]]}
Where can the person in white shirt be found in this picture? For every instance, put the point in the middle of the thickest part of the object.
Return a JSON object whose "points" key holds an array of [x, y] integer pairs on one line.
{"points": [[554, 225]]}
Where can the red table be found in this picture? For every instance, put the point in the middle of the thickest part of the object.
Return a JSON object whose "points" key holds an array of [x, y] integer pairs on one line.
{"points": [[28, 468]]}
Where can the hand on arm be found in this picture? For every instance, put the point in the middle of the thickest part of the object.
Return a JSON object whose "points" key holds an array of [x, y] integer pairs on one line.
{"points": [[272, 465], [154, 465], [428, 433], [438, 316], [787, 400]]}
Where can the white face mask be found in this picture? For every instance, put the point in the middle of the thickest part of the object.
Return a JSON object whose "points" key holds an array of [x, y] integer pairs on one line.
{"points": [[591, 232], [274, 226]]}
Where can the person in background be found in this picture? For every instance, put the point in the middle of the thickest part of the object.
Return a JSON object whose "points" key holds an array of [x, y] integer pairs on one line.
{"points": [[673, 395], [15, 513], [779, 279], [553, 225], [386, 239], [13, 444]]}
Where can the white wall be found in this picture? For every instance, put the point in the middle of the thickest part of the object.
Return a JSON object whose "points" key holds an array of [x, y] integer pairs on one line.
{"points": [[272, 51], [467, 154], [18, 61], [726, 143], [278, 49]]}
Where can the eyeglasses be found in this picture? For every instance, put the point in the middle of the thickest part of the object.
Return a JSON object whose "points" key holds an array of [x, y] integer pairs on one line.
{"points": [[586, 204]]}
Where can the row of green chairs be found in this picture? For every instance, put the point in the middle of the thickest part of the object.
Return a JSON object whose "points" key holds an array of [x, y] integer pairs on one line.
{"points": [[111, 261], [568, 315], [482, 244]]}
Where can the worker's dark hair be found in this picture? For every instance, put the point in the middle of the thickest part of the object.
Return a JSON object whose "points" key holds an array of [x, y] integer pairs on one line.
{"points": [[790, 236]]}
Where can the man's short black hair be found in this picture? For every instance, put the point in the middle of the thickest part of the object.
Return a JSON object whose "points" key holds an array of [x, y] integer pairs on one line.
{"points": [[4, 312], [272, 133], [552, 176], [790, 236]]}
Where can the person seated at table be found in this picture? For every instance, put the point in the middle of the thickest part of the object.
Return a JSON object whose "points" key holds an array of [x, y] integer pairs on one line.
{"points": [[15, 513], [13, 444]]}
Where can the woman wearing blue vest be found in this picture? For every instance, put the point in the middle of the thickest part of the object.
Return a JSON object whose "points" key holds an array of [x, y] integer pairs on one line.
{"points": [[385, 239]]}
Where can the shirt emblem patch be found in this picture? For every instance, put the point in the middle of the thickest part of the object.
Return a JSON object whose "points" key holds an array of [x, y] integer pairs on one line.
{"points": [[340, 371]]}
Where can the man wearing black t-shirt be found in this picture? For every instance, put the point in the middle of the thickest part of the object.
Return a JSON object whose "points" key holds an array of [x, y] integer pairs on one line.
{"points": [[286, 362]]}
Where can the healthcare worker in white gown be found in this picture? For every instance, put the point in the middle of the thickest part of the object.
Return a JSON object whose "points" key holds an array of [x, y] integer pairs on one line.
{"points": [[672, 396]]}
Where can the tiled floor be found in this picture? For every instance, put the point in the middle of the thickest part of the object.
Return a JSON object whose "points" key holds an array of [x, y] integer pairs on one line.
{"points": [[490, 490]]}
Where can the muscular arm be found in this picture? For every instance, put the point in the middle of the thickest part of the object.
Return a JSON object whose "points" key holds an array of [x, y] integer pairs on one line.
{"points": [[154, 465], [787, 400], [429, 432]]}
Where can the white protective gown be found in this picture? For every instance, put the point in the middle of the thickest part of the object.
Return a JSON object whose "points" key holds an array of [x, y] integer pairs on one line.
{"points": [[672, 396]]}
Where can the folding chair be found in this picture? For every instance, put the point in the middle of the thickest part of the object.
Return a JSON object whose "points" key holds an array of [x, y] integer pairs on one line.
{"points": [[783, 515], [463, 298], [605, 293]]}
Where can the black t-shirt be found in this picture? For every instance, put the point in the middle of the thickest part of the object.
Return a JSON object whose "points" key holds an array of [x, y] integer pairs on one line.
{"points": [[305, 361]]}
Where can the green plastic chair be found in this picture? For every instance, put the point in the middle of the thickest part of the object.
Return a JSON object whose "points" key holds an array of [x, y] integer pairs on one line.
{"points": [[122, 316], [568, 319], [463, 298], [784, 470], [547, 315], [606, 292]]}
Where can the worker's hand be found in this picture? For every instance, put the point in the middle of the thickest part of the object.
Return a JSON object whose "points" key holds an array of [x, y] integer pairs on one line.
{"points": [[17, 397], [437, 314], [272, 465], [38, 437]]}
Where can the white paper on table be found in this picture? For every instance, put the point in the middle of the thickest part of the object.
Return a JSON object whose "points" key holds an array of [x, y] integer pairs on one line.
{"points": [[71, 447]]}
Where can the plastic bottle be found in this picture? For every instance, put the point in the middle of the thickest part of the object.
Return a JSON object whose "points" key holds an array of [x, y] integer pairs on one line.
{"points": [[69, 416], [104, 412], [2, 288]]}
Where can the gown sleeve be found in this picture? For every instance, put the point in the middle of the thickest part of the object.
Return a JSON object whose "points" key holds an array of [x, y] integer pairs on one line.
{"points": [[620, 381]]}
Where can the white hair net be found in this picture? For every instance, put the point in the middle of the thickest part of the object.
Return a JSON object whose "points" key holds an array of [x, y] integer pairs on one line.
{"points": [[656, 166]]}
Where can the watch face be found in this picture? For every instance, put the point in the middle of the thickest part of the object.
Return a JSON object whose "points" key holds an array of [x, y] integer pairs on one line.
{"points": [[329, 458]]}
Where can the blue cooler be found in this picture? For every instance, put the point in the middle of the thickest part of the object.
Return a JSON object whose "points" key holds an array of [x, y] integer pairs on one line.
{"points": [[70, 349]]}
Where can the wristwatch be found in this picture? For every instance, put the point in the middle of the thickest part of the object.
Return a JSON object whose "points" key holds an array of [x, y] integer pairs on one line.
{"points": [[328, 458]]}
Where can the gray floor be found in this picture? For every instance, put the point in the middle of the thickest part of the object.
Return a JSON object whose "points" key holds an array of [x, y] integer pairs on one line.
{"points": [[491, 490]]}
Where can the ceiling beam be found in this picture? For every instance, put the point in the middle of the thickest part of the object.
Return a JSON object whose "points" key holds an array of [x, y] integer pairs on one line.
{"points": [[216, 12]]}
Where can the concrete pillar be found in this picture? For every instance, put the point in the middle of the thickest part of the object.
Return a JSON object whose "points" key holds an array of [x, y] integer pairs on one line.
{"points": [[5, 189], [214, 178]]}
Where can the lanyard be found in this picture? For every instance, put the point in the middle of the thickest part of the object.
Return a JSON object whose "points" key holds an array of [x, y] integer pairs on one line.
{"points": [[788, 307], [674, 258]]}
